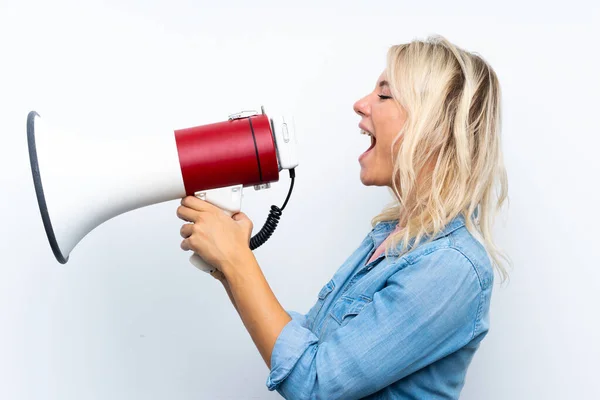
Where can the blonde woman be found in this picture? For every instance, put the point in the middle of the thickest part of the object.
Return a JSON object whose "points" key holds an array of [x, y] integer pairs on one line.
{"points": [[404, 315]]}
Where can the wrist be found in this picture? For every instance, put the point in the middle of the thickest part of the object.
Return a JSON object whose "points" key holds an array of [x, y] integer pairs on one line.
{"points": [[239, 265]]}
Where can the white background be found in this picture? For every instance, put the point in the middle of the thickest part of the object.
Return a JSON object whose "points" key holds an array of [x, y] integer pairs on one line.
{"points": [[129, 318]]}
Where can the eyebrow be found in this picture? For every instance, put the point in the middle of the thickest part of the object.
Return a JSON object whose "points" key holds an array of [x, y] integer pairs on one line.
{"points": [[383, 83]]}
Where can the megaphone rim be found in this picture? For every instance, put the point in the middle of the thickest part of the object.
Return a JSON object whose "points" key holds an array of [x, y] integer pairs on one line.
{"points": [[39, 189]]}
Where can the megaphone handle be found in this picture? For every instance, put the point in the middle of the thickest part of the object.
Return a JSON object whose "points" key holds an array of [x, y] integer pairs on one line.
{"points": [[199, 263], [228, 199]]}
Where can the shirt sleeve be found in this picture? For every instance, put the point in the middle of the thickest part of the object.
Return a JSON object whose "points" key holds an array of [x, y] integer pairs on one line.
{"points": [[298, 318], [427, 310]]}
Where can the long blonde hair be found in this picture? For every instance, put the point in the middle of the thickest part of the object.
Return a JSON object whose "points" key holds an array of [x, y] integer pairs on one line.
{"points": [[447, 157]]}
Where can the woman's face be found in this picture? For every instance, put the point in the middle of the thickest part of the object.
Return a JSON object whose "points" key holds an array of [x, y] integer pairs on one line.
{"points": [[382, 118]]}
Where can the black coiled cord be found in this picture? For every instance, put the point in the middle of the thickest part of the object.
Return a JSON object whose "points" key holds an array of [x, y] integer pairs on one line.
{"points": [[272, 220]]}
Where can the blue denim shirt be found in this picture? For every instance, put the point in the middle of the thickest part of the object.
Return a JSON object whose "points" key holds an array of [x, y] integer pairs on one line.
{"points": [[400, 327]]}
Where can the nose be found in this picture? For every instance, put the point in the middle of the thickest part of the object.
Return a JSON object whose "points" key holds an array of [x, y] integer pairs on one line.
{"points": [[362, 107]]}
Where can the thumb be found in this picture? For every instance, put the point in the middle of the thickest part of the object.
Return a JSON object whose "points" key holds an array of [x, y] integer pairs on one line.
{"points": [[240, 216], [243, 220]]}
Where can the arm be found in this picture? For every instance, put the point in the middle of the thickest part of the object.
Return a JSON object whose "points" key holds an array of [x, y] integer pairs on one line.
{"points": [[220, 277], [223, 242], [259, 309], [299, 318]]}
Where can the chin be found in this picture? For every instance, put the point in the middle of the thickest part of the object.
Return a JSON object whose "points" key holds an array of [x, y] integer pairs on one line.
{"points": [[364, 178], [369, 180]]}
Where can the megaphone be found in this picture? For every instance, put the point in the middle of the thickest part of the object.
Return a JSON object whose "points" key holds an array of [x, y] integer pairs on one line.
{"points": [[83, 181]]}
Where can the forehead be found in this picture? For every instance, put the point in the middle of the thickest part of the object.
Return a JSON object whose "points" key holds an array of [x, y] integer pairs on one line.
{"points": [[382, 80]]}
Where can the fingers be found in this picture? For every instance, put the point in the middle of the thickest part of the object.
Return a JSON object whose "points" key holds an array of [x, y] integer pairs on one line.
{"points": [[191, 207], [199, 205], [185, 245], [192, 234], [186, 230], [187, 214]]}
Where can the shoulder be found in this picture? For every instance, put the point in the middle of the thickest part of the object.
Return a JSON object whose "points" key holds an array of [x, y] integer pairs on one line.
{"points": [[457, 252], [452, 275]]}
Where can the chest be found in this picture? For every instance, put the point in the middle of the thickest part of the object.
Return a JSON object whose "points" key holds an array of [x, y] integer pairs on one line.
{"points": [[350, 290]]}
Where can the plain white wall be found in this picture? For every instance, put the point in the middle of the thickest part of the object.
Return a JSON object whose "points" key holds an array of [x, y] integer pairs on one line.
{"points": [[129, 317]]}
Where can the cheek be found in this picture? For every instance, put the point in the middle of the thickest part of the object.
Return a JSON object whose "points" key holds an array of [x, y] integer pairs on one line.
{"points": [[386, 158], [387, 122], [384, 148]]}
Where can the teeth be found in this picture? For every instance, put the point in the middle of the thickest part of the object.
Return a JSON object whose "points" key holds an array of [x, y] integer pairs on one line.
{"points": [[366, 133]]}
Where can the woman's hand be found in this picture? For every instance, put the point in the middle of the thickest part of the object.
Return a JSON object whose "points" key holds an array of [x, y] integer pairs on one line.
{"points": [[220, 240]]}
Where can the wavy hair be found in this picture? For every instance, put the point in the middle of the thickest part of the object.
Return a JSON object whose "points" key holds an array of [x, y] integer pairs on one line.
{"points": [[447, 158]]}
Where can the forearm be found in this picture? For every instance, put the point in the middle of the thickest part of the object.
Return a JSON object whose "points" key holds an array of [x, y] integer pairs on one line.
{"points": [[228, 290], [259, 309]]}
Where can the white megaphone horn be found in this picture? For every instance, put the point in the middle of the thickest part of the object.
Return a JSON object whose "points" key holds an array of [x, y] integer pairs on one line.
{"points": [[82, 181]]}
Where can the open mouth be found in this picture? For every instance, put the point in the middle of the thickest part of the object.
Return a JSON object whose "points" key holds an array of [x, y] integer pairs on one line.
{"points": [[373, 140]]}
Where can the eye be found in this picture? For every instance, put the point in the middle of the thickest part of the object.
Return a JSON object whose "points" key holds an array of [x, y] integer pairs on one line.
{"points": [[383, 97]]}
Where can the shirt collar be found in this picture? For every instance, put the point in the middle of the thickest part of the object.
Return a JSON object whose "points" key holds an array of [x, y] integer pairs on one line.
{"points": [[383, 229]]}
